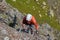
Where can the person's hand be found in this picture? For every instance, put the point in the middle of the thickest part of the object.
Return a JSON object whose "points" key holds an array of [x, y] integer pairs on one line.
{"points": [[36, 31]]}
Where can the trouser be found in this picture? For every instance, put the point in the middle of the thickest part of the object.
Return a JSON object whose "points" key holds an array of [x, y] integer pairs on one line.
{"points": [[30, 28]]}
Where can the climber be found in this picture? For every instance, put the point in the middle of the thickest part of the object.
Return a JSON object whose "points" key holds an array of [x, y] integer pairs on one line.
{"points": [[30, 20]]}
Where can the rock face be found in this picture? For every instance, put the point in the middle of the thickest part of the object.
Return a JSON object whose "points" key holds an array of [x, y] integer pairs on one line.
{"points": [[11, 17], [8, 33]]}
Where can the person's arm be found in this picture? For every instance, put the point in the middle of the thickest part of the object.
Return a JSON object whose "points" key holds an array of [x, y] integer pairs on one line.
{"points": [[23, 25], [35, 23]]}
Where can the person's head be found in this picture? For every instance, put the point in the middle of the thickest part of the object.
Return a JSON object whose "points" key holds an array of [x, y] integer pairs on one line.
{"points": [[28, 17]]}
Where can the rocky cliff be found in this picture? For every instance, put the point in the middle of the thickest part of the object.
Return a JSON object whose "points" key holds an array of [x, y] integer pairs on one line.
{"points": [[10, 21]]}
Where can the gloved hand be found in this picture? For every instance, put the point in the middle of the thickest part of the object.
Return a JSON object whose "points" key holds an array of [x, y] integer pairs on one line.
{"points": [[36, 32]]}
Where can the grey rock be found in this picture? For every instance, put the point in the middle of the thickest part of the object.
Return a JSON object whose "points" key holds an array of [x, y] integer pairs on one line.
{"points": [[6, 38], [4, 32], [45, 32]]}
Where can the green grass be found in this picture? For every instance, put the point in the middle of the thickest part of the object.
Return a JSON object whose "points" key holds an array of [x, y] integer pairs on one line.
{"points": [[27, 7]]}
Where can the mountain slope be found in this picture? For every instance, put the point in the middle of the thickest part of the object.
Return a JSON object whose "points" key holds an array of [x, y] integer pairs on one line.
{"points": [[11, 16]]}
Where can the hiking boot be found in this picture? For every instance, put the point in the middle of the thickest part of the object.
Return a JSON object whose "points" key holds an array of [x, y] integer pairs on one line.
{"points": [[31, 31], [24, 30], [18, 29]]}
